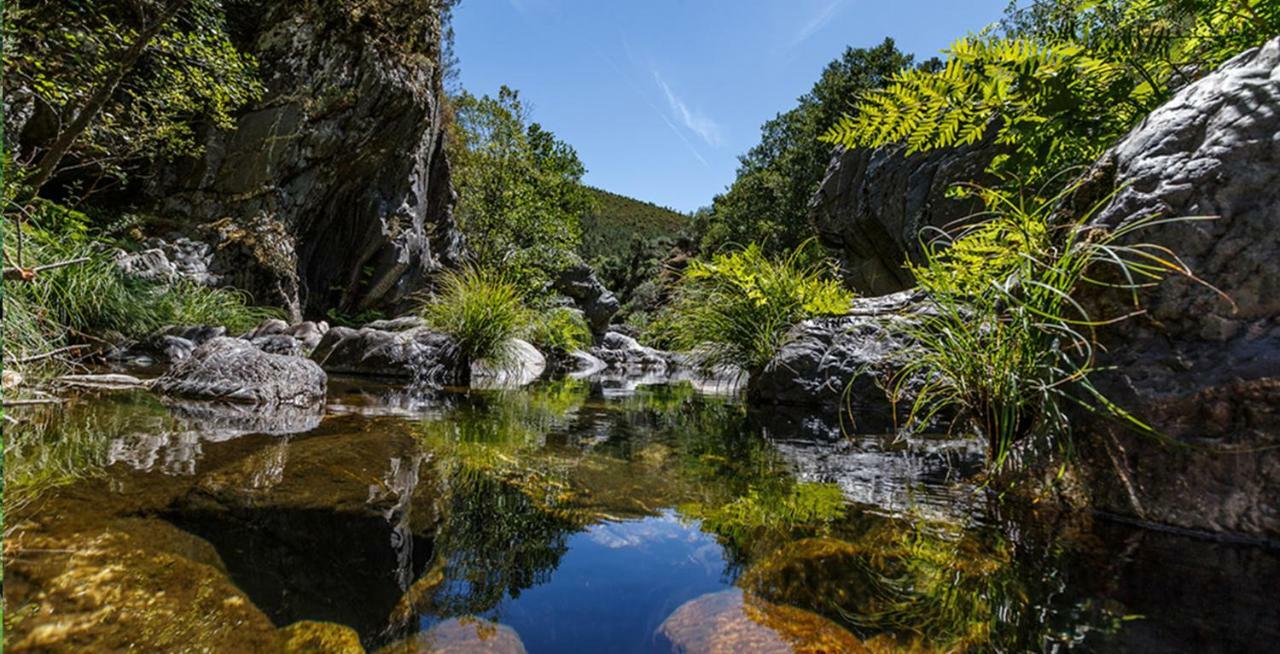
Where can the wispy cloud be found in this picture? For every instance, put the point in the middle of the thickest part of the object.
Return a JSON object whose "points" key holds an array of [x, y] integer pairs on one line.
{"points": [[707, 129], [815, 24], [645, 97]]}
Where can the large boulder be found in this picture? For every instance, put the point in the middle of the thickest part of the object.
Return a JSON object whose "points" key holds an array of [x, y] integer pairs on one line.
{"points": [[417, 354], [621, 352], [234, 369], [844, 363], [1203, 370], [734, 621], [334, 189], [522, 365], [580, 283], [873, 204]]}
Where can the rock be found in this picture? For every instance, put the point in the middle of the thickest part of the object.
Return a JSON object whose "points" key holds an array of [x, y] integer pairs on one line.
{"points": [[733, 621], [175, 348], [843, 363], [401, 324], [873, 204], [310, 637], [461, 636], [101, 382], [233, 369], [10, 379], [822, 574], [581, 284], [148, 265], [582, 364], [1195, 367], [269, 327], [278, 344], [524, 364], [169, 260], [333, 191], [309, 334], [618, 351], [418, 354], [197, 334]]}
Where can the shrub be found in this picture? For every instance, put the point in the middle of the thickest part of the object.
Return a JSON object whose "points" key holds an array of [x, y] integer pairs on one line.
{"points": [[1008, 348], [560, 329], [737, 308], [482, 310]]}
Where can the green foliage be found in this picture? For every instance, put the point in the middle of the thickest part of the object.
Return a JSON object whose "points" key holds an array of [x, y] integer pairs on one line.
{"points": [[1063, 81], [802, 504], [736, 308], [521, 200], [1008, 348], [616, 222], [560, 329], [482, 310], [190, 73], [768, 201], [93, 296]]}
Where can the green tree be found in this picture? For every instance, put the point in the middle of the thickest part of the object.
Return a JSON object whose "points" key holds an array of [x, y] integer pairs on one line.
{"points": [[768, 202], [120, 84], [521, 198]]}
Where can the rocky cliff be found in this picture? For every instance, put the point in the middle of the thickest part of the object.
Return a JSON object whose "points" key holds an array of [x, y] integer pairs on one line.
{"points": [[333, 191], [1202, 369], [873, 204]]}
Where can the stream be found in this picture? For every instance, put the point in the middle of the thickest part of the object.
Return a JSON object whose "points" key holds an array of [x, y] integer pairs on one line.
{"points": [[570, 516]]}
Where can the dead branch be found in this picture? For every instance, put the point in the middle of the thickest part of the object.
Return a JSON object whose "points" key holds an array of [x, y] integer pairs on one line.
{"points": [[29, 274]]}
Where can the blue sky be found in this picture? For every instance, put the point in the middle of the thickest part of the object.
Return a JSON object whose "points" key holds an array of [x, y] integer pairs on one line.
{"points": [[660, 97]]}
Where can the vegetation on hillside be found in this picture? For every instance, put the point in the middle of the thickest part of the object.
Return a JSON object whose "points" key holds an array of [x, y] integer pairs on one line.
{"points": [[617, 221], [521, 199]]}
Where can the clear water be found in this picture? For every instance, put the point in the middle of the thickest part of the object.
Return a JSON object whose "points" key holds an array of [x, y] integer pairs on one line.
{"points": [[572, 516]]}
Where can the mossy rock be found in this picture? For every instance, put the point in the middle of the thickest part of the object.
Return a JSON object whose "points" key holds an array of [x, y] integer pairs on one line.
{"points": [[461, 636], [308, 637], [827, 575], [735, 621]]}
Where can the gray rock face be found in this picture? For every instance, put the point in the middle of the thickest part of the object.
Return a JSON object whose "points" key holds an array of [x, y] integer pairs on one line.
{"points": [[169, 260], [873, 204], [581, 284], [621, 352], [417, 354], [333, 191], [1197, 368], [843, 363], [524, 365], [233, 369]]}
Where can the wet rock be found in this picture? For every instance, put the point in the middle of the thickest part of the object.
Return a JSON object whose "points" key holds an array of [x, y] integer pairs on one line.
{"points": [[1202, 370], [461, 636], [235, 370], [175, 348], [619, 351], [873, 204], [309, 637], [827, 575], [417, 354], [580, 283], [522, 365], [290, 218], [733, 621], [844, 363], [581, 364]]}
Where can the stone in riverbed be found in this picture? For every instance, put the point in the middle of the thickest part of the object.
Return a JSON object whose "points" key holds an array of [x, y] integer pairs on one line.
{"points": [[418, 354], [524, 364], [310, 637], [233, 369], [733, 621], [461, 636], [619, 351]]}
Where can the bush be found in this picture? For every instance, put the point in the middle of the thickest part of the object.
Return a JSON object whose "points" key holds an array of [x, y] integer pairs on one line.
{"points": [[560, 330], [737, 308], [1009, 349], [482, 310]]}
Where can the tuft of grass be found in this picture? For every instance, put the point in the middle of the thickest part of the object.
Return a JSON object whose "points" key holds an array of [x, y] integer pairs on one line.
{"points": [[736, 308], [560, 329], [96, 299], [482, 311], [1009, 348]]}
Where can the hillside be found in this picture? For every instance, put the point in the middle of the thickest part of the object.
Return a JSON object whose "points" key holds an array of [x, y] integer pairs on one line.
{"points": [[618, 219]]}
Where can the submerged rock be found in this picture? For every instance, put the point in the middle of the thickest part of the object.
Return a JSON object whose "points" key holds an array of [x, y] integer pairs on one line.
{"points": [[418, 354], [1199, 368], [732, 621], [235, 370], [309, 637], [461, 636]]}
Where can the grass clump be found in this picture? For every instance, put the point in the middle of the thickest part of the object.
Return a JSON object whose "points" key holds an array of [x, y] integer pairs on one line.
{"points": [[94, 299], [482, 311], [1009, 348], [736, 308], [560, 329]]}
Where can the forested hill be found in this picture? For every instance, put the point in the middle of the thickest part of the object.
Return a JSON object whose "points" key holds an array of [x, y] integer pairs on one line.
{"points": [[617, 220]]}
